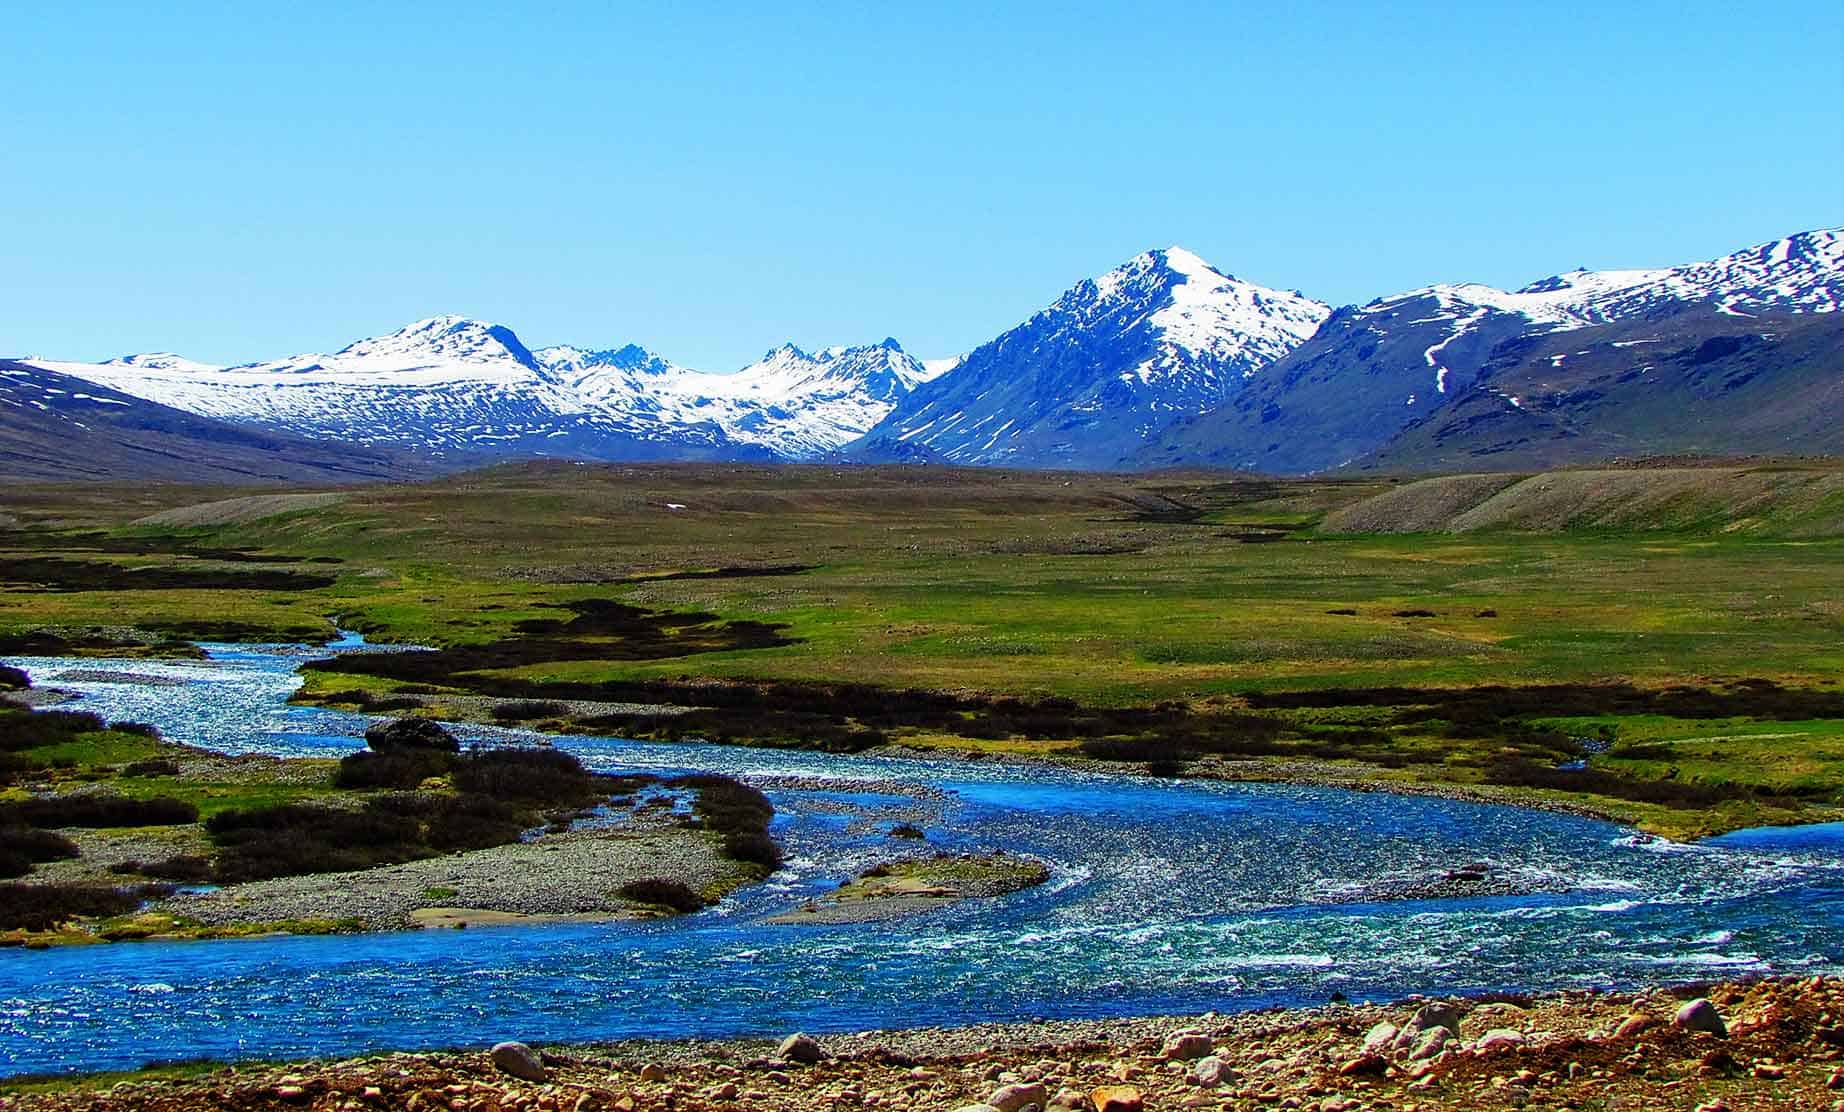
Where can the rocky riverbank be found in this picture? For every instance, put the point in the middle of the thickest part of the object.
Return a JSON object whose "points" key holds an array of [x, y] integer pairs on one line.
{"points": [[1776, 1044]]}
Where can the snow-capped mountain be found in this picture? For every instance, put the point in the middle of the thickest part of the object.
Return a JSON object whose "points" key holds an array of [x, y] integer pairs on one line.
{"points": [[1372, 371], [1116, 358], [1163, 361], [450, 384]]}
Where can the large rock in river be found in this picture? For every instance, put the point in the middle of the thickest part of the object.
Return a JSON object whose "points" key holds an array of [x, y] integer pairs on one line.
{"points": [[400, 734]]}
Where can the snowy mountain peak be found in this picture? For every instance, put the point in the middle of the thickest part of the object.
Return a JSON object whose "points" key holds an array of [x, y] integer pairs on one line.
{"points": [[1802, 273], [160, 361], [444, 339]]}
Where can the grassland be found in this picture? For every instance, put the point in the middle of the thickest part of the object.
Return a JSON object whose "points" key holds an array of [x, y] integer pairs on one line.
{"points": [[973, 610]]}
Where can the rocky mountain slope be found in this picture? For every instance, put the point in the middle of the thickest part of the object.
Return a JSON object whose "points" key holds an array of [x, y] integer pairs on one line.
{"points": [[1114, 360], [1720, 356], [450, 385], [55, 427], [1164, 361]]}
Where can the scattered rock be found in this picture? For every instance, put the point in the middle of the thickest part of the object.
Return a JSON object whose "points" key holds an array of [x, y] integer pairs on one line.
{"points": [[1012, 1098], [1380, 1038], [1431, 1044], [1364, 1065], [652, 1073], [1186, 1046], [1502, 1038], [519, 1060], [1211, 1072], [1633, 1025], [1701, 1015], [401, 734], [1117, 1098], [800, 1048]]}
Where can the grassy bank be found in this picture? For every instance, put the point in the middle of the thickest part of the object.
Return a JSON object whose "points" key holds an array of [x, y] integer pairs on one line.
{"points": [[1691, 659]]}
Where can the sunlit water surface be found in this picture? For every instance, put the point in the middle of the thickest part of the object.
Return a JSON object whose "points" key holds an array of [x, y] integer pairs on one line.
{"points": [[1165, 896]]}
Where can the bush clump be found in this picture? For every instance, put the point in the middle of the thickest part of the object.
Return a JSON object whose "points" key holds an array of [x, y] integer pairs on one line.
{"points": [[663, 893], [13, 679], [98, 810], [22, 728], [185, 868], [738, 813], [22, 847], [397, 770], [40, 907], [296, 839], [548, 776], [151, 768], [530, 710]]}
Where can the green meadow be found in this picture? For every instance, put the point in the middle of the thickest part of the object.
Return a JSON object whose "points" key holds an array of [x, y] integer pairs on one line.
{"points": [[1211, 594]]}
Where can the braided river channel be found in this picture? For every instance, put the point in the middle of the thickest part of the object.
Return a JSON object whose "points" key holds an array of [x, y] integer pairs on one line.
{"points": [[1165, 896]]}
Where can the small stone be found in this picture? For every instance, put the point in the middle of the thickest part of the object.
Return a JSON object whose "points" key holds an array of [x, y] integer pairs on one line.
{"points": [[652, 1073], [1633, 1025], [726, 1091], [1067, 1099], [800, 1048], [1364, 1065], [1502, 1038], [1701, 1015], [1431, 1044], [1117, 1098], [1211, 1072], [976, 1108], [1336, 1103], [519, 1060], [290, 1092], [1012, 1098], [1186, 1046], [1713, 1106], [1768, 1071], [1836, 1080]]}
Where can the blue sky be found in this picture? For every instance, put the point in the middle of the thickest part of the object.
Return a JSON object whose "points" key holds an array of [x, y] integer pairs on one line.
{"points": [[233, 183]]}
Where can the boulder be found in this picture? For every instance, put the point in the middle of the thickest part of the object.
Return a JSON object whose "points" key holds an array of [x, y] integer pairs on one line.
{"points": [[800, 1048], [1380, 1038], [1211, 1072], [652, 1073], [519, 1060], [1068, 1099], [1187, 1046], [1701, 1015], [1431, 1044], [1365, 1065], [399, 734], [1633, 1025], [1012, 1098], [1117, 1098], [1502, 1038], [1437, 1014]]}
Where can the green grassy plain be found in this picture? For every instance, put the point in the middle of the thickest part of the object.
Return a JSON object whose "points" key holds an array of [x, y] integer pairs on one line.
{"points": [[1114, 591]]}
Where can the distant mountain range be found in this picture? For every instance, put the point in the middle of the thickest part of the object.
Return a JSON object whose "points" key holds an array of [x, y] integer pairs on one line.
{"points": [[1164, 361]]}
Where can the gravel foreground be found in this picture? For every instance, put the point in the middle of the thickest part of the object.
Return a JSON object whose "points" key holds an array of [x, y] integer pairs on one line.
{"points": [[1732, 1047]]}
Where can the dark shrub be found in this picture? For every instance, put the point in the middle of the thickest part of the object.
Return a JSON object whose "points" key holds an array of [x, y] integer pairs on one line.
{"points": [[527, 710], [36, 846], [297, 839], [663, 893], [908, 830], [754, 848], [38, 907], [140, 729], [739, 813], [151, 768], [534, 775], [98, 810], [13, 679], [410, 733], [399, 769], [1415, 614], [458, 822], [185, 868], [26, 729]]}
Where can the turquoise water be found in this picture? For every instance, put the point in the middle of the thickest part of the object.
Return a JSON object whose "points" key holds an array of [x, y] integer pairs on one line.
{"points": [[1165, 896]]}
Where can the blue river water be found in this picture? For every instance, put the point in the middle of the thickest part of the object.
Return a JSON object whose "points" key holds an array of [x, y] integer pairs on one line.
{"points": [[1165, 896]]}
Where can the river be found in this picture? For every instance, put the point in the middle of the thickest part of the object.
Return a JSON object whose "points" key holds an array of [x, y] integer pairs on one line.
{"points": [[1165, 896]]}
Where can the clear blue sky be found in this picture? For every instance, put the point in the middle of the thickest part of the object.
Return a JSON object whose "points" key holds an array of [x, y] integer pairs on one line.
{"points": [[711, 180]]}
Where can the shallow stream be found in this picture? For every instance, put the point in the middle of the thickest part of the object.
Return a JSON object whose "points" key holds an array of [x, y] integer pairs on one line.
{"points": [[1165, 896]]}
